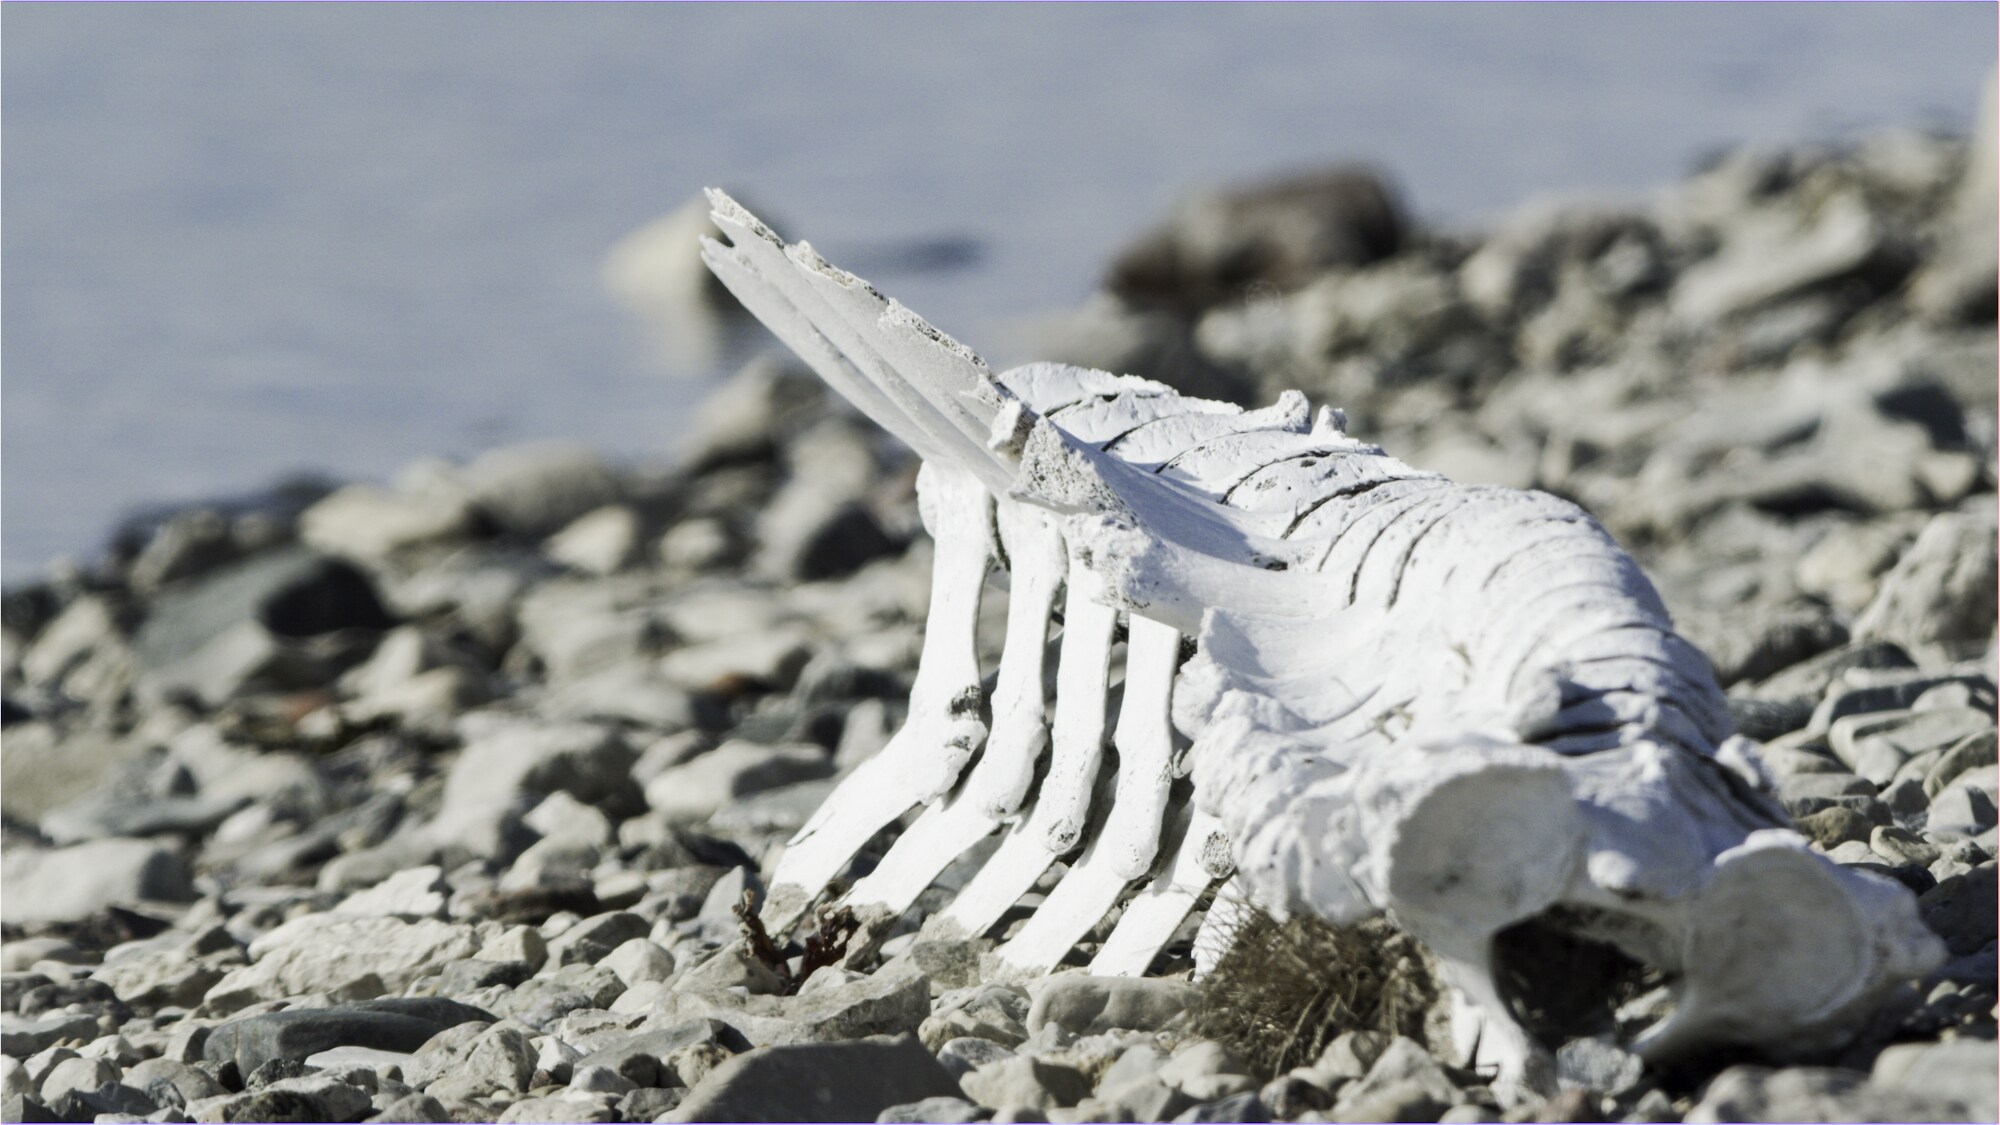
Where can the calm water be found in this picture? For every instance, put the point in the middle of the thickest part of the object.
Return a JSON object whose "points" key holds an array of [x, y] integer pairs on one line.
{"points": [[245, 240]]}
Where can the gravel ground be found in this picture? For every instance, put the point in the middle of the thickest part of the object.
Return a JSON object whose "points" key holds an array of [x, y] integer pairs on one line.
{"points": [[435, 801]]}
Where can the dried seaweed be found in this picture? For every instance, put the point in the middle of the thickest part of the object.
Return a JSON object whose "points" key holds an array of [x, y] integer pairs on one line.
{"points": [[826, 945]]}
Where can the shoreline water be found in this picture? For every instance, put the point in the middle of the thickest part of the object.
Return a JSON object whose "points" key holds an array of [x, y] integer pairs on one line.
{"points": [[375, 237]]}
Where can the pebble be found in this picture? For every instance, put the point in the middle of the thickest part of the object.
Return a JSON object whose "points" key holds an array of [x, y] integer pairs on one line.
{"points": [[1592, 1064], [1974, 751], [847, 1081], [561, 1108], [1941, 593], [645, 1058], [1086, 1005], [638, 959], [599, 542], [335, 953], [500, 1060], [370, 522], [81, 1074], [967, 1053], [420, 892], [310, 1097], [1236, 1107], [1754, 1093], [1403, 1075], [946, 1110], [21, 1037], [516, 943], [593, 939], [1960, 1070], [396, 1024], [520, 734], [65, 884], [1024, 1080], [697, 790]]}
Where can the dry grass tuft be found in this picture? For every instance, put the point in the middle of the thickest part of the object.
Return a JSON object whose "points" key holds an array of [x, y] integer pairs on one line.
{"points": [[1285, 989]]}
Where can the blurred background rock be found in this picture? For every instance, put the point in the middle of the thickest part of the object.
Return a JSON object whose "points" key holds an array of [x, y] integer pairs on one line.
{"points": [[520, 677], [243, 243]]}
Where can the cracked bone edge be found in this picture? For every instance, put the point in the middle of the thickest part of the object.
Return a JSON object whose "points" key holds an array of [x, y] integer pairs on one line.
{"points": [[734, 266], [850, 312], [925, 758]]}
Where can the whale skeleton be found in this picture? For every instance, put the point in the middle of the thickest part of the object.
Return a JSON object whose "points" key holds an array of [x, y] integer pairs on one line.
{"points": [[1465, 707]]}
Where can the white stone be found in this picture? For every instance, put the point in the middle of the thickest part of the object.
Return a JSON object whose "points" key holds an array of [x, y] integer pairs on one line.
{"points": [[419, 892], [639, 960], [332, 952], [62, 884], [599, 542], [516, 943]]}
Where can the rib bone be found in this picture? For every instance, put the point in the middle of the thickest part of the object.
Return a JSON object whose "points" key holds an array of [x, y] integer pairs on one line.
{"points": [[1464, 707]]}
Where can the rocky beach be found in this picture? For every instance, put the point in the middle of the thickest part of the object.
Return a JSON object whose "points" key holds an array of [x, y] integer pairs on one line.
{"points": [[440, 800]]}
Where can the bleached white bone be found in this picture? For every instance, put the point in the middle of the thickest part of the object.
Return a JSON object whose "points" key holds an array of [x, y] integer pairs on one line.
{"points": [[922, 760], [1152, 916], [1464, 707], [1083, 681], [1124, 847], [999, 783]]}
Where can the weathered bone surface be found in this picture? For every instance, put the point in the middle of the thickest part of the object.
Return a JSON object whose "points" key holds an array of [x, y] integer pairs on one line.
{"points": [[1462, 706]]}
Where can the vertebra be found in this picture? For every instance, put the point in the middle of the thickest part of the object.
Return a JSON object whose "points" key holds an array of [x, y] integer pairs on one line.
{"points": [[1465, 707]]}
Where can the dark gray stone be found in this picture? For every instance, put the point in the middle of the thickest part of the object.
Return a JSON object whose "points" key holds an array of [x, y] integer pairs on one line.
{"points": [[1961, 909], [15, 985], [1269, 237], [1808, 680], [534, 490], [1288, 1097], [389, 1024], [247, 625], [21, 1037], [593, 939], [1026, 1080], [190, 543], [457, 978], [83, 996], [272, 1071], [852, 1081]]}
